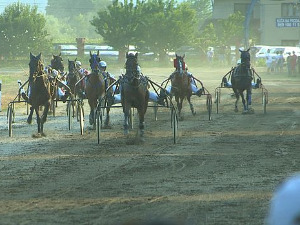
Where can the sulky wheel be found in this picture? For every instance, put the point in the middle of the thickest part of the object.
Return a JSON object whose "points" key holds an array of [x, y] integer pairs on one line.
{"points": [[174, 125], [69, 112], [9, 120], [264, 102], [217, 100], [209, 106], [98, 123]]}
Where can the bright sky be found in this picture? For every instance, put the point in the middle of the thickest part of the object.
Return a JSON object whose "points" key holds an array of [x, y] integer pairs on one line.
{"points": [[41, 4]]}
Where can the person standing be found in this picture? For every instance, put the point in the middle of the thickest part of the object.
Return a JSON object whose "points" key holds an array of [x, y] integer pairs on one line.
{"points": [[293, 63], [288, 63]]}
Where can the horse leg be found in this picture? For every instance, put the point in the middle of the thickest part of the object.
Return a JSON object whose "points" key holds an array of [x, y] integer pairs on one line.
{"points": [[38, 119], [237, 96], [191, 105], [141, 112], [29, 119], [126, 117], [244, 102], [249, 101], [45, 112]]}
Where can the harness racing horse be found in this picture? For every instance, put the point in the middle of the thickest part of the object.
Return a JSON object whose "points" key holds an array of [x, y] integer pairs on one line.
{"points": [[39, 92], [241, 80], [95, 89], [134, 93], [56, 63], [73, 77], [181, 87]]}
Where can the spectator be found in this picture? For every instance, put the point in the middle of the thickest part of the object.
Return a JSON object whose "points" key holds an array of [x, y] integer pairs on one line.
{"points": [[269, 61], [285, 204], [210, 55], [288, 63], [293, 63]]}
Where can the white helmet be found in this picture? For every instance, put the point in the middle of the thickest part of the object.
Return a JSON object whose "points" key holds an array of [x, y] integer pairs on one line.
{"points": [[78, 63], [239, 62], [102, 64]]}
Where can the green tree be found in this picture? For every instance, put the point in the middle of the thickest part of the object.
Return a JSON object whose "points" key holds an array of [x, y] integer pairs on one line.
{"points": [[167, 25], [22, 29], [118, 25], [230, 31]]}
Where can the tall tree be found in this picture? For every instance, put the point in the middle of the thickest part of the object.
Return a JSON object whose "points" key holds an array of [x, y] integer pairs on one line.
{"points": [[22, 29], [118, 25], [167, 25]]}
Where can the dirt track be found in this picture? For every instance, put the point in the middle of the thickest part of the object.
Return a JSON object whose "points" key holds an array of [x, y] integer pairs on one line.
{"points": [[220, 172]]}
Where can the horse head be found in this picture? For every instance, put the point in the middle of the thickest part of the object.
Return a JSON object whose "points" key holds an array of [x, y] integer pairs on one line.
{"points": [[56, 63], [36, 66], [94, 61], [245, 58], [132, 68], [179, 64]]}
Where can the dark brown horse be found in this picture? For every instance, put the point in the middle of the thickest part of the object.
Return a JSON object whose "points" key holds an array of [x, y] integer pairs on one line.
{"points": [[73, 77], [241, 80], [181, 85], [134, 93], [57, 63], [95, 88], [39, 91]]}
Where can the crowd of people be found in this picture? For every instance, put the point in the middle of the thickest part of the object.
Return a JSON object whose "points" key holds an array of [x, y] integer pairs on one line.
{"points": [[277, 63]]}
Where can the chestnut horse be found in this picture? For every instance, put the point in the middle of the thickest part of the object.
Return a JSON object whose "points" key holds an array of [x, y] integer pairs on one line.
{"points": [[95, 89], [241, 80], [39, 91], [134, 93], [181, 85]]}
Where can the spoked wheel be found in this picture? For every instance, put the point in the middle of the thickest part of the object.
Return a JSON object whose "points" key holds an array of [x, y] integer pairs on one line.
{"points": [[69, 112], [98, 123], [209, 106], [80, 117], [9, 120], [218, 100], [264, 102], [174, 125]]}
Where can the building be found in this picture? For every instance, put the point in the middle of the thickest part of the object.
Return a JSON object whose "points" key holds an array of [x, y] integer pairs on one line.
{"points": [[279, 20]]}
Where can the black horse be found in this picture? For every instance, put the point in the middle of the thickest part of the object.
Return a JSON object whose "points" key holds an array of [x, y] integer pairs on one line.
{"points": [[241, 80], [134, 93], [73, 77], [57, 63]]}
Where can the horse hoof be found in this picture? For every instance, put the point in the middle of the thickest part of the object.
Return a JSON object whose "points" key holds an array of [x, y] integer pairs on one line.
{"points": [[29, 121], [194, 113], [236, 110], [37, 135], [43, 134]]}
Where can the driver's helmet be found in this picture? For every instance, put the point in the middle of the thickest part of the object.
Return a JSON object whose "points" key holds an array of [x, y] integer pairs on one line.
{"points": [[238, 62], [78, 63], [102, 65]]}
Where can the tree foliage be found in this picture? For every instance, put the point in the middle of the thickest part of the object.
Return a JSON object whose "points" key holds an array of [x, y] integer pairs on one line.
{"points": [[156, 25], [22, 29]]}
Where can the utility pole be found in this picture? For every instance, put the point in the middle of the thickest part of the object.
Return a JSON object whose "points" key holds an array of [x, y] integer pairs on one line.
{"points": [[247, 21]]}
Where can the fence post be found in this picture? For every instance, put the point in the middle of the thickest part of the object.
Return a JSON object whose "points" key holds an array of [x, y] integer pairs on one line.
{"points": [[0, 96]]}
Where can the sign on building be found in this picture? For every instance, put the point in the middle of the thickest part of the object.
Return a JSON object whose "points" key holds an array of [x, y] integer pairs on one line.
{"points": [[287, 22]]}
